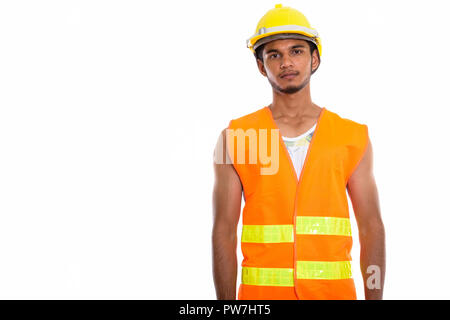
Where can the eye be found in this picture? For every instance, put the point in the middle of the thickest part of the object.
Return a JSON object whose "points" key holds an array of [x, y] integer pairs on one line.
{"points": [[272, 55], [297, 51]]}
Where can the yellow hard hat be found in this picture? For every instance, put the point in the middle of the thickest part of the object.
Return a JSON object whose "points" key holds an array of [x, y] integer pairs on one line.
{"points": [[283, 23]]}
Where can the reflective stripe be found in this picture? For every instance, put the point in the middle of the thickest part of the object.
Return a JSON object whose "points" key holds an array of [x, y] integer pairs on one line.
{"points": [[316, 270], [287, 28], [324, 270], [283, 277], [268, 233], [323, 225]]}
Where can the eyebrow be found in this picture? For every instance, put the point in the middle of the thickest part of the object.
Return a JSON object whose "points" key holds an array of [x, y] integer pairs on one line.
{"points": [[293, 47]]}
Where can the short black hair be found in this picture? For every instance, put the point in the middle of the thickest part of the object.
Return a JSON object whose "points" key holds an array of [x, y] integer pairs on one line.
{"points": [[260, 49]]}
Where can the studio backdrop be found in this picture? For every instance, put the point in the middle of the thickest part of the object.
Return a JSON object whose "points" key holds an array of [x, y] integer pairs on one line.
{"points": [[110, 112]]}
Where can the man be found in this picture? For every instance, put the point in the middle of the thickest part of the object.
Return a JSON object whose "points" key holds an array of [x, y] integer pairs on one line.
{"points": [[296, 236]]}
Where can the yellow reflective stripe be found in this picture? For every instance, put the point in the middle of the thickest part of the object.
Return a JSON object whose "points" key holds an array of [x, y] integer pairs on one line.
{"points": [[323, 225], [268, 233], [283, 277], [329, 270]]}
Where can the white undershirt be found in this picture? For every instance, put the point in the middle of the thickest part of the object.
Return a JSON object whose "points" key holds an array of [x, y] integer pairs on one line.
{"points": [[298, 147]]}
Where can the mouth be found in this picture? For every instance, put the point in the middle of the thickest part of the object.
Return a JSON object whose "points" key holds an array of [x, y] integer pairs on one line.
{"points": [[289, 75]]}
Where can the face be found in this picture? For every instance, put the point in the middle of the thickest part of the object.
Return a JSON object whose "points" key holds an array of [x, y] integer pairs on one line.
{"points": [[288, 64]]}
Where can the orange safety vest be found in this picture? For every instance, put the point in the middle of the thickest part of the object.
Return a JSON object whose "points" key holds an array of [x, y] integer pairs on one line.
{"points": [[296, 234]]}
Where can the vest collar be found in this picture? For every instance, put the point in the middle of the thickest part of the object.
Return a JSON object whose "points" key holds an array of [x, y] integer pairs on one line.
{"points": [[268, 113]]}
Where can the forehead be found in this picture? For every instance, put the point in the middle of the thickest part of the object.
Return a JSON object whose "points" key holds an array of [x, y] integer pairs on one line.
{"points": [[283, 44]]}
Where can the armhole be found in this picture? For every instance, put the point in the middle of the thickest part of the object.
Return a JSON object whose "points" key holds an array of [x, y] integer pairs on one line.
{"points": [[231, 162], [366, 144], [227, 145]]}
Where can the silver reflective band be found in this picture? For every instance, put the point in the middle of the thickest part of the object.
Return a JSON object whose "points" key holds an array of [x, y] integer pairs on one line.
{"points": [[289, 27], [278, 36]]}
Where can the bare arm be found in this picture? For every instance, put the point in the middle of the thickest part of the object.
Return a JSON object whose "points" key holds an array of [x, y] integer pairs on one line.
{"points": [[227, 195], [363, 192]]}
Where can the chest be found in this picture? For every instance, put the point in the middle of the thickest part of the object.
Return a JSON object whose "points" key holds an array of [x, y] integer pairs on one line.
{"points": [[296, 127]]}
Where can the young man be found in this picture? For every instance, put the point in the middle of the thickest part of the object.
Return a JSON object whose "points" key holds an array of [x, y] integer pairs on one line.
{"points": [[296, 236]]}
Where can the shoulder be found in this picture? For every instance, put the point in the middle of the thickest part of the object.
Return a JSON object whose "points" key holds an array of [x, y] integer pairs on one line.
{"points": [[352, 135], [244, 122], [344, 122], [249, 120], [348, 129]]}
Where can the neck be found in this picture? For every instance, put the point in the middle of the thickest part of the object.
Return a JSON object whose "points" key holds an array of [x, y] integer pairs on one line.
{"points": [[292, 105]]}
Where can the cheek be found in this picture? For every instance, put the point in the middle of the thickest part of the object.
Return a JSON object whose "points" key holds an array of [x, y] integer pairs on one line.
{"points": [[273, 69], [269, 71], [270, 74]]}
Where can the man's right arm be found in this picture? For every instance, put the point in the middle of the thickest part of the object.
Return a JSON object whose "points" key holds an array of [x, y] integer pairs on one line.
{"points": [[227, 195]]}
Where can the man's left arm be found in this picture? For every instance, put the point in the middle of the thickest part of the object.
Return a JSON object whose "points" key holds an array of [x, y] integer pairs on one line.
{"points": [[363, 193]]}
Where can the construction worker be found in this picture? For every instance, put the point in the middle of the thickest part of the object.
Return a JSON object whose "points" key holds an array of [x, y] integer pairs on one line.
{"points": [[294, 162]]}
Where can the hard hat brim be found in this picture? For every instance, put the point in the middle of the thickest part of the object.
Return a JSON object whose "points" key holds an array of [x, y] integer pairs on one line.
{"points": [[280, 36]]}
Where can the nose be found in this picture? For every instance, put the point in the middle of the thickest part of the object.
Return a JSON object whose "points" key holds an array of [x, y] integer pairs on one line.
{"points": [[286, 62]]}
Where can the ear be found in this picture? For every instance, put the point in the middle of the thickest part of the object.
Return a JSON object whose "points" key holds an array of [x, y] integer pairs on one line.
{"points": [[261, 67], [315, 60]]}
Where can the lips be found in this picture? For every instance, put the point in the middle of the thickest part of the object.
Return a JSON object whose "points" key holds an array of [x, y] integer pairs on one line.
{"points": [[289, 74]]}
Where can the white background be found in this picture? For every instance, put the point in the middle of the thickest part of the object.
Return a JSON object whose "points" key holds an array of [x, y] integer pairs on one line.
{"points": [[110, 111]]}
